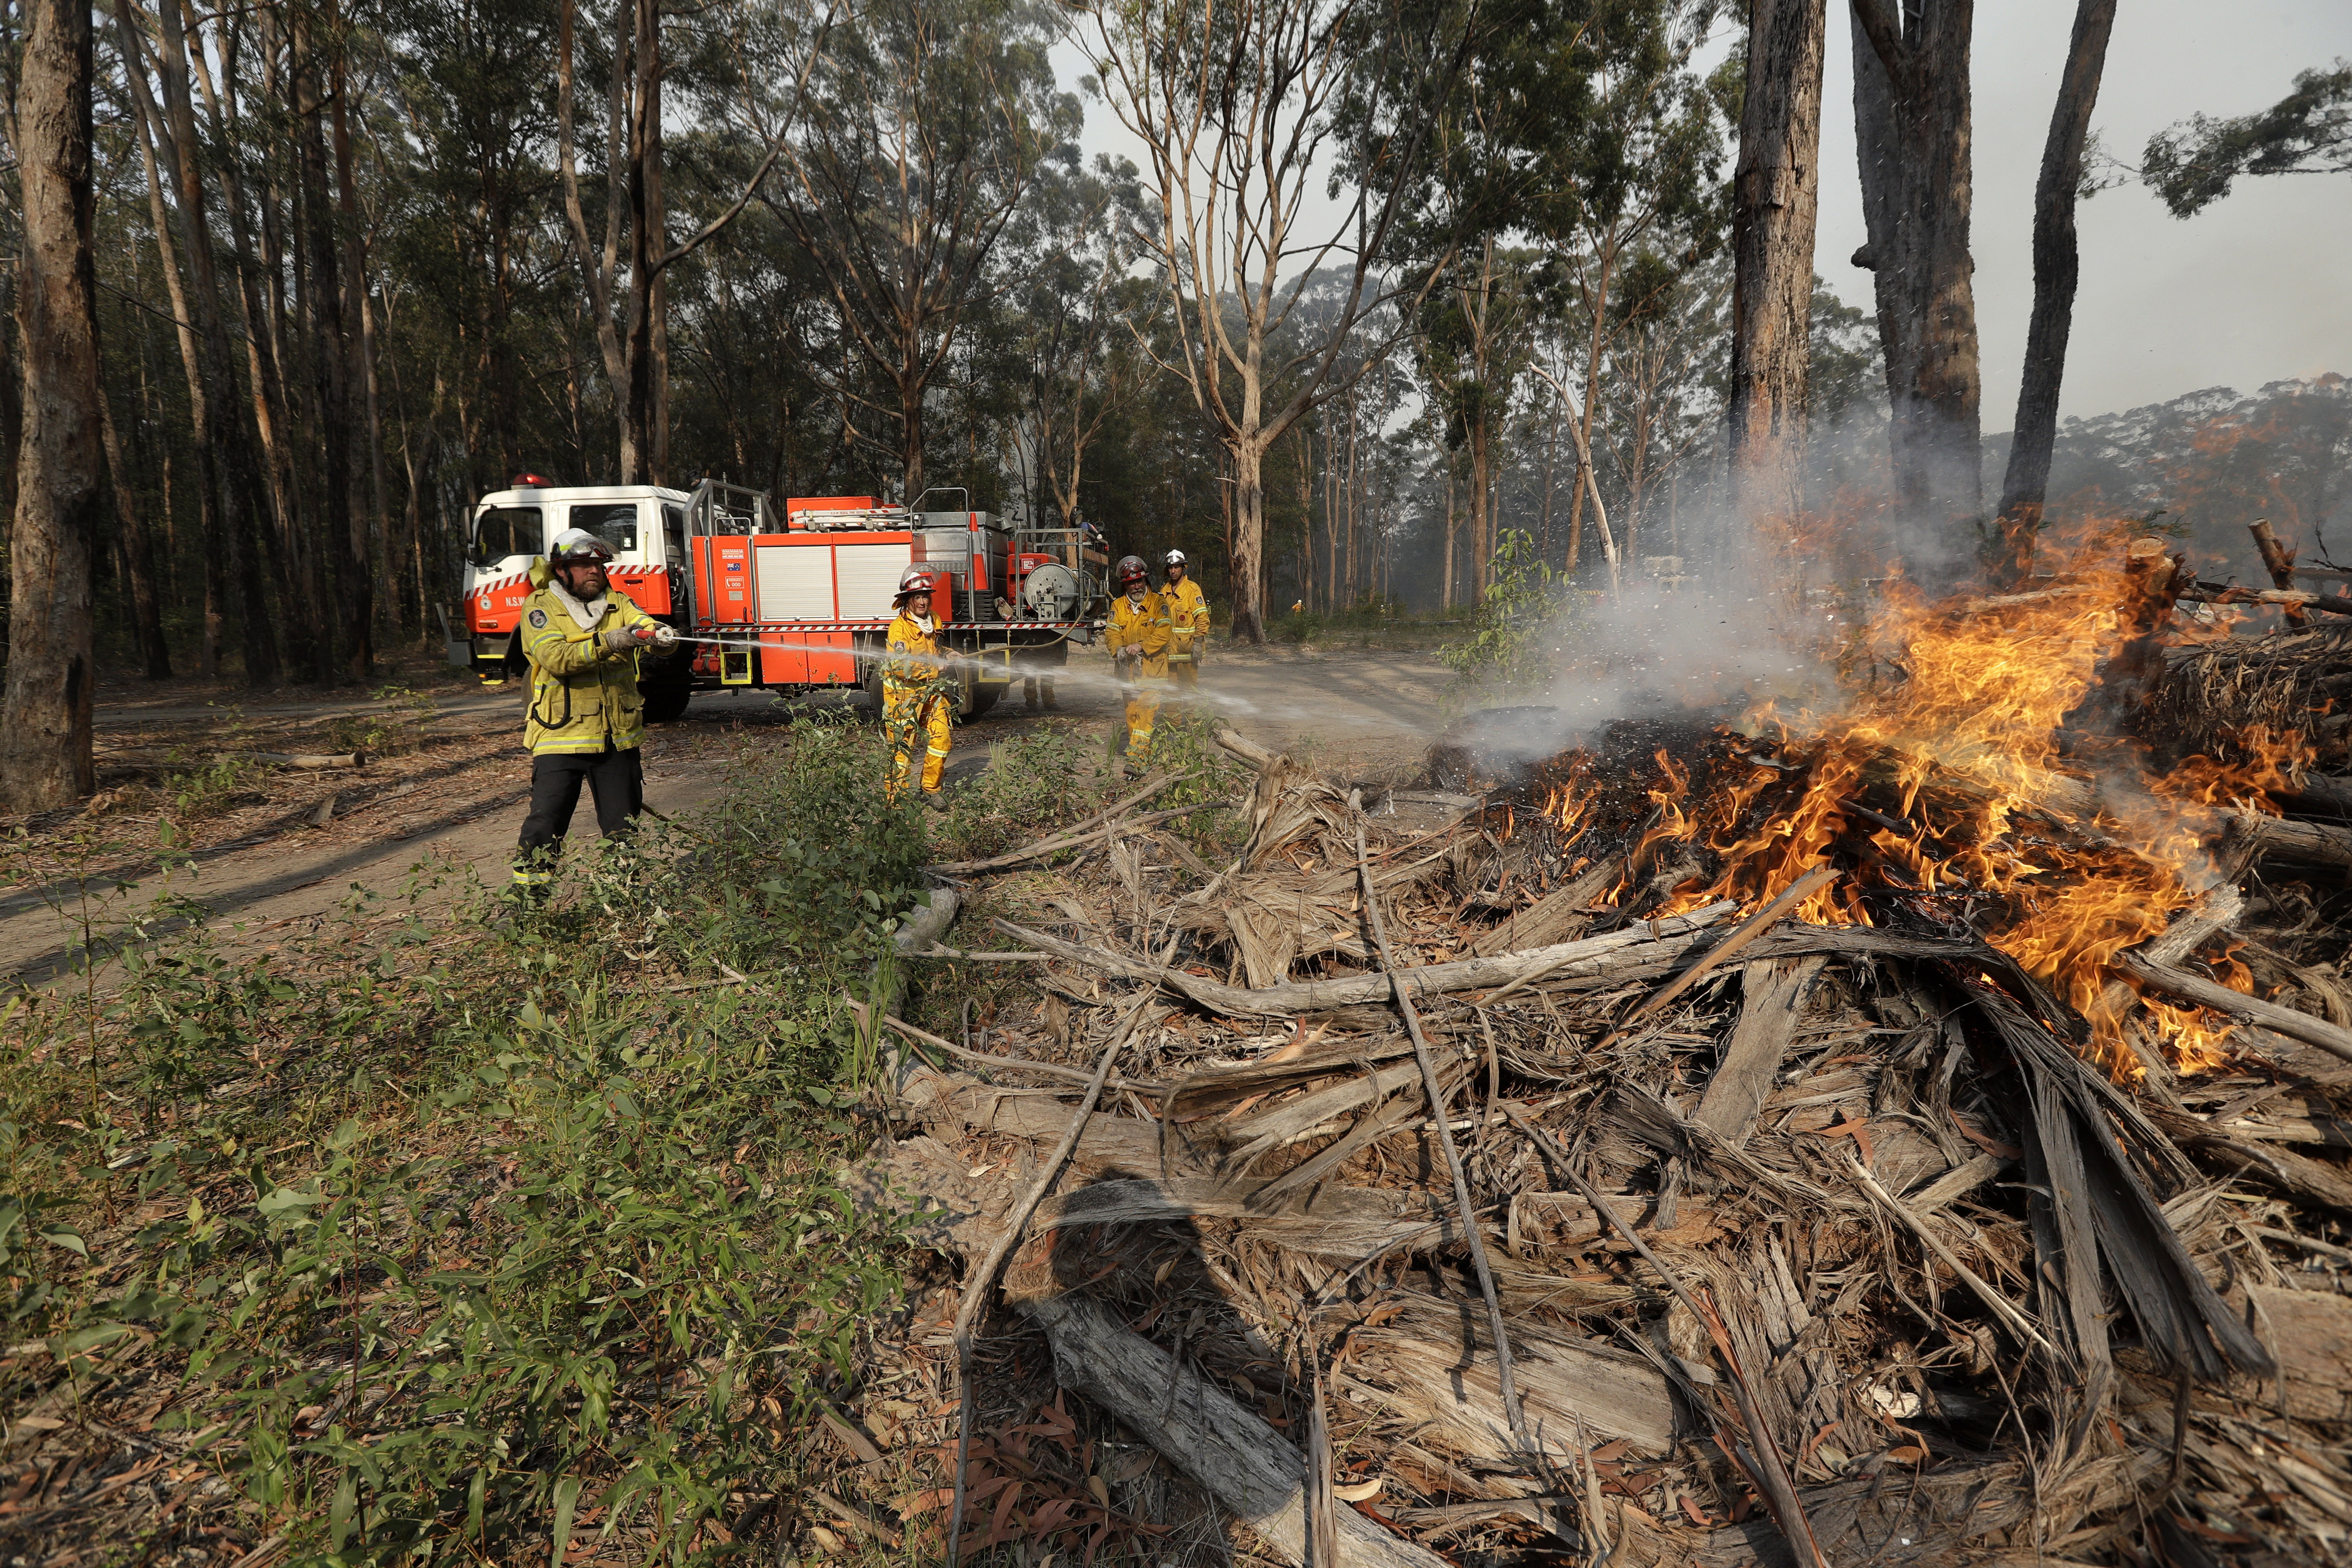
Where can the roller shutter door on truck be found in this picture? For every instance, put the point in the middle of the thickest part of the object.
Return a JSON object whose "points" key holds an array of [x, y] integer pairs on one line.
{"points": [[795, 583], [869, 575]]}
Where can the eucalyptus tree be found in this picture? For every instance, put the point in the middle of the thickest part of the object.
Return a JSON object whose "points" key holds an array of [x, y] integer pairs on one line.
{"points": [[2309, 131], [52, 672], [1238, 108], [1082, 315], [1641, 181], [925, 126], [2057, 267]]}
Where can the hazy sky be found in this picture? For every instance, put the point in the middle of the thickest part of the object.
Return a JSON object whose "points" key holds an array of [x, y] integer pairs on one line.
{"points": [[2255, 289]]}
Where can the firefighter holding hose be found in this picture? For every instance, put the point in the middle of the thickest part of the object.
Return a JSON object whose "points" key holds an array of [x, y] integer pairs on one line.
{"points": [[1138, 639], [584, 639], [1188, 621], [919, 696]]}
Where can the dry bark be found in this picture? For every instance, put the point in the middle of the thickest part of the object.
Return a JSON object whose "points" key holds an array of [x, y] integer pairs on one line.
{"points": [[47, 763], [1775, 195], [1911, 122]]}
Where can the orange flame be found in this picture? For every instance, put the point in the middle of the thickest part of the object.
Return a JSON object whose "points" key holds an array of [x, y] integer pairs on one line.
{"points": [[2059, 869]]}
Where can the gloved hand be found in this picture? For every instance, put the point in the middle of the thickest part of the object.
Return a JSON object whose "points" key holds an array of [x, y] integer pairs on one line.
{"points": [[618, 639], [665, 637]]}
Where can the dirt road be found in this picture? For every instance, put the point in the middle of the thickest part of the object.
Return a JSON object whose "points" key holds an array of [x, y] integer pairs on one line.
{"points": [[457, 799]]}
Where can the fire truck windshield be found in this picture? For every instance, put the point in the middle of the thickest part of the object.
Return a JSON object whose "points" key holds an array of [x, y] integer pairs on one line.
{"points": [[504, 530], [614, 523]]}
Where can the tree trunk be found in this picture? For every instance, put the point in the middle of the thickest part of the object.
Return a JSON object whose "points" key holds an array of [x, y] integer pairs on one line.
{"points": [[369, 547], [344, 535], [1246, 540], [1599, 304], [1776, 196], [1912, 128], [273, 499], [648, 440], [2057, 266], [138, 559], [45, 712], [1452, 522], [224, 457]]}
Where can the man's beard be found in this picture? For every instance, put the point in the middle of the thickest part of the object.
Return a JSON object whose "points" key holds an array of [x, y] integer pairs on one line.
{"points": [[584, 589]]}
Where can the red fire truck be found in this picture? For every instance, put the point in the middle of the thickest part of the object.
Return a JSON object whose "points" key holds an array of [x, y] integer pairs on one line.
{"points": [[810, 590]]}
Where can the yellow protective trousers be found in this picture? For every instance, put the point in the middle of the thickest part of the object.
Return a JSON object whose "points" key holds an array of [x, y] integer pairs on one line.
{"points": [[1142, 708], [913, 714]]}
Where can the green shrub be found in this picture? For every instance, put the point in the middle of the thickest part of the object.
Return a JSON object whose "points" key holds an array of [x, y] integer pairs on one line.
{"points": [[467, 1234], [1516, 632]]}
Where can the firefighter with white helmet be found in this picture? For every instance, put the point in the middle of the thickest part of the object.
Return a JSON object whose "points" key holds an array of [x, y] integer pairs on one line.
{"points": [[918, 695], [1138, 639], [584, 638], [1188, 620]]}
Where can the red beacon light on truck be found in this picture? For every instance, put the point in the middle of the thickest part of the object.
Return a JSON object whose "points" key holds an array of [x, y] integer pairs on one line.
{"points": [[529, 481]]}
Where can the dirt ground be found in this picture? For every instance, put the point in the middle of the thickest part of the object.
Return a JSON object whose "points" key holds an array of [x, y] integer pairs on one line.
{"points": [[262, 859]]}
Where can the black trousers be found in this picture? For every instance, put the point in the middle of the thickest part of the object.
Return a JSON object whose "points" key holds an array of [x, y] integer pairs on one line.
{"points": [[618, 779]]}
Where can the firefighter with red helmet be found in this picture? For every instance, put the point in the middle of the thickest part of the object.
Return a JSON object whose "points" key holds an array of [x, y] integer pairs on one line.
{"points": [[918, 697], [584, 638], [1138, 639]]}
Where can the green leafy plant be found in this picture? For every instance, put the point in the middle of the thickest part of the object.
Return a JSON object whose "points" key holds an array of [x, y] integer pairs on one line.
{"points": [[1519, 624], [480, 1233], [212, 789]]}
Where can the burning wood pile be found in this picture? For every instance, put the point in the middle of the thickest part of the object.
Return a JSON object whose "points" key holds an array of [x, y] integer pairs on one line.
{"points": [[1910, 1135]]}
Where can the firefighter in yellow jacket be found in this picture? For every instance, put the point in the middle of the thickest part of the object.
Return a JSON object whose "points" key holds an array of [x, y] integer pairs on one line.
{"points": [[919, 695], [584, 639], [1138, 639], [1188, 621]]}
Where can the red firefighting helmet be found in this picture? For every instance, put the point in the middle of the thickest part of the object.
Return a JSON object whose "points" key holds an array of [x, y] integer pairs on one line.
{"points": [[1131, 569], [913, 580]]}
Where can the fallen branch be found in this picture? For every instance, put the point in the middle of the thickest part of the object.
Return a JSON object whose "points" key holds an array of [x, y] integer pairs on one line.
{"points": [[1763, 921], [2290, 1021], [1250, 1468], [296, 758], [2316, 843], [1598, 959], [1428, 1084]]}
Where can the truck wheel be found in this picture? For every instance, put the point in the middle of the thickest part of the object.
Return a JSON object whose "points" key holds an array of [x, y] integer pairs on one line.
{"points": [[977, 699], [871, 680]]}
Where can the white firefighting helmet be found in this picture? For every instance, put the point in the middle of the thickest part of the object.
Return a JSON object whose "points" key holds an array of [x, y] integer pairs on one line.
{"points": [[913, 580], [575, 544]]}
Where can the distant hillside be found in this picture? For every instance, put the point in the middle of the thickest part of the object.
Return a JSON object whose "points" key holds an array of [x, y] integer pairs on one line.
{"points": [[2214, 461]]}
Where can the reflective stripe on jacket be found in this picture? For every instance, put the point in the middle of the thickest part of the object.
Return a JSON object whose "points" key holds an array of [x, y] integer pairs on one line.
{"points": [[583, 696]]}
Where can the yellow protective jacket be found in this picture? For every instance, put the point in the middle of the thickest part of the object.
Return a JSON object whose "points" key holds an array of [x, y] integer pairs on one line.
{"points": [[1188, 613], [910, 670], [1144, 628], [583, 696]]}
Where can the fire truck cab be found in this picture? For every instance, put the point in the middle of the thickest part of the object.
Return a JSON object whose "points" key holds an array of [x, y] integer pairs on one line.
{"points": [[803, 602]]}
